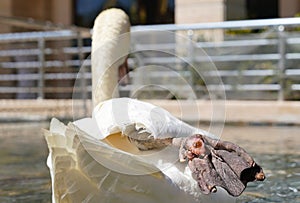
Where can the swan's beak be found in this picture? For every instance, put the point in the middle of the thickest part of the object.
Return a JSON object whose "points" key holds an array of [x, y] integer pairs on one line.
{"points": [[123, 73], [219, 163]]}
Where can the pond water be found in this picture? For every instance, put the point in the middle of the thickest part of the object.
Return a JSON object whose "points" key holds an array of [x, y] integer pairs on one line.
{"points": [[24, 176]]}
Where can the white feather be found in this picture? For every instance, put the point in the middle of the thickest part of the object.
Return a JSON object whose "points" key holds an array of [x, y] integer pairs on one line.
{"points": [[115, 115]]}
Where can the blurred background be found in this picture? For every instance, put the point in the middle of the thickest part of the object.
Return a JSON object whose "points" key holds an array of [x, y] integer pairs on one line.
{"points": [[44, 43], [237, 60]]}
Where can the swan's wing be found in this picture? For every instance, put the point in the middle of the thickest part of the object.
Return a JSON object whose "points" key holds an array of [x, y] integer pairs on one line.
{"points": [[81, 171], [131, 116]]}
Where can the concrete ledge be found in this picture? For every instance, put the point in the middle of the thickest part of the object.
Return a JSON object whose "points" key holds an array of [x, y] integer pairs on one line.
{"points": [[259, 112], [266, 112], [27, 110]]}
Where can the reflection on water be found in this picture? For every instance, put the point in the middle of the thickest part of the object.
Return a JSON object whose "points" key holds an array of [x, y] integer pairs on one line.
{"points": [[24, 176]]}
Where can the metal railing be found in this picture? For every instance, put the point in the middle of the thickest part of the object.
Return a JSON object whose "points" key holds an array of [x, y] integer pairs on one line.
{"points": [[260, 63]]}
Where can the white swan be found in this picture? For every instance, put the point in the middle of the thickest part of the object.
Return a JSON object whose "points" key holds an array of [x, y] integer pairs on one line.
{"points": [[129, 150]]}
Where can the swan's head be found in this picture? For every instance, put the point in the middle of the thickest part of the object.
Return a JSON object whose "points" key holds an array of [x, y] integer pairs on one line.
{"points": [[110, 48]]}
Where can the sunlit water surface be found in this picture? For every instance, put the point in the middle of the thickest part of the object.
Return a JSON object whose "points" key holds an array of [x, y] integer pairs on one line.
{"points": [[24, 176]]}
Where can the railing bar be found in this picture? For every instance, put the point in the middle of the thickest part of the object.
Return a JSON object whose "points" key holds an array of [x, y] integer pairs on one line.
{"points": [[28, 52], [295, 87], [237, 43], [41, 58], [292, 72], [232, 43], [33, 36], [246, 87], [235, 73], [36, 89], [292, 56], [293, 40], [35, 64], [241, 24], [47, 76], [281, 62], [82, 72], [258, 57]]}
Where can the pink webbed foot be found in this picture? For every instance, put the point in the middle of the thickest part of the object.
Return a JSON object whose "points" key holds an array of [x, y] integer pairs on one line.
{"points": [[219, 163]]}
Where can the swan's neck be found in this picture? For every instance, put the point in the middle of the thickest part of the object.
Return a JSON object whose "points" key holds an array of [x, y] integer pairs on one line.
{"points": [[110, 46], [104, 82]]}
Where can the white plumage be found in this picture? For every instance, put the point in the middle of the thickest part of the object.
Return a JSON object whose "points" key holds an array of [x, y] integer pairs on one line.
{"points": [[133, 118], [121, 112], [78, 176], [84, 169]]}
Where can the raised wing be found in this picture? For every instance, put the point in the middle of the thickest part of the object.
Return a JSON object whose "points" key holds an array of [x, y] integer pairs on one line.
{"points": [[121, 114]]}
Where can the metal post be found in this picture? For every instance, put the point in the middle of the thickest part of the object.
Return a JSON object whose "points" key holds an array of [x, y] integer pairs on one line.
{"points": [[82, 73], [191, 55], [281, 62], [41, 71], [190, 51], [139, 78]]}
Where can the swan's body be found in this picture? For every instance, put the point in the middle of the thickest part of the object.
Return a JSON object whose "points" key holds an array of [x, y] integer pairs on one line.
{"points": [[77, 176], [92, 159], [84, 168]]}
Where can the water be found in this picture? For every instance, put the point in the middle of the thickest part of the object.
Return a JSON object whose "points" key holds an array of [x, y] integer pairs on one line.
{"points": [[276, 149], [24, 176]]}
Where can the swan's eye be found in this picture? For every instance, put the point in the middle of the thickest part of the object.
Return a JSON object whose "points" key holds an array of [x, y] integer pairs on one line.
{"points": [[197, 144]]}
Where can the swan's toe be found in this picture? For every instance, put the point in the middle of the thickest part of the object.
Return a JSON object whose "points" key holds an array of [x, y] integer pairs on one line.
{"points": [[191, 147]]}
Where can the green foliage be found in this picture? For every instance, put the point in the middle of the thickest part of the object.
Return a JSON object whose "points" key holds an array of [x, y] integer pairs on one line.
{"points": [[244, 31]]}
